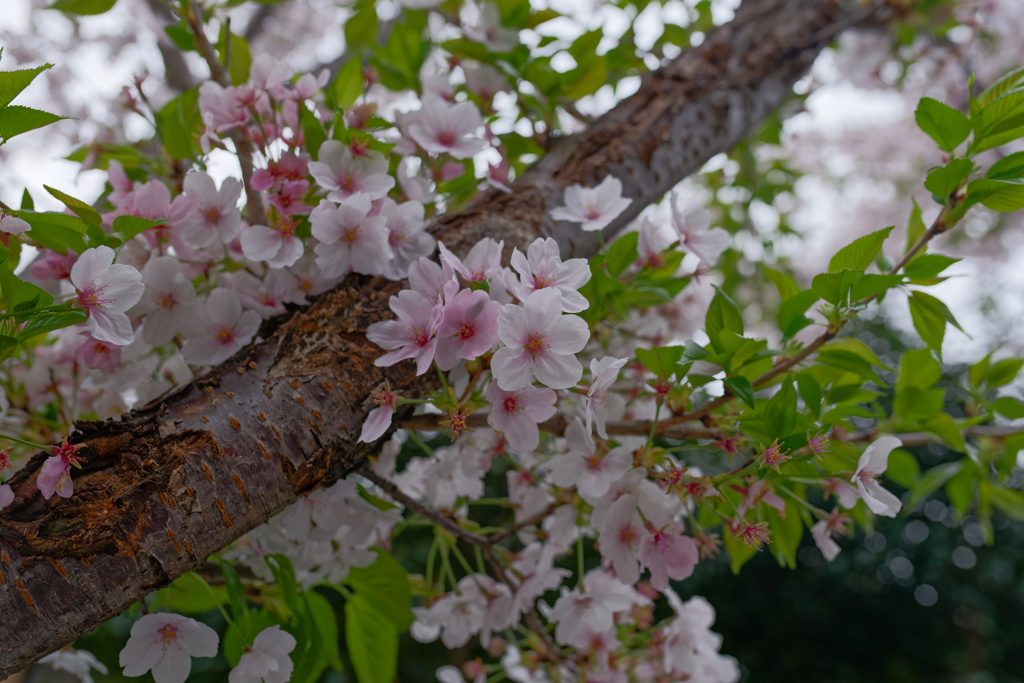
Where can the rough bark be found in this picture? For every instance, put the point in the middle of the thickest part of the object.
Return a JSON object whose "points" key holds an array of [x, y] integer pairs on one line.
{"points": [[181, 478]]}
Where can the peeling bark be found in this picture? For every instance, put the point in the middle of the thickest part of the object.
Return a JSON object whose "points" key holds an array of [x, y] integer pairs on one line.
{"points": [[181, 478]]}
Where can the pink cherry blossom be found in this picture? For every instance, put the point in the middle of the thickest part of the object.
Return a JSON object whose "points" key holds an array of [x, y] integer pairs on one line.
{"points": [[516, 414], [468, 329], [344, 174], [278, 244], [55, 474], [53, 265], [165, 644], [543, 267], [6, 496], [379, 419], [435, 282], [833, 524], [489, 31], [11, 225], [481, 263], [219, 329], [407, 236], [760, 491], [455, 617], [412, 335], [215, 216], [167, 301], [267, 296], [106, 290], [288, 167], [267, 661], [592, 469], [621, 538], [539, 342], [650, 243], [872, 465], [604, 373], [594, 207], [350, 238], [575, 613], [697, 238], [668, 554], [98, 355], [440, 127]]}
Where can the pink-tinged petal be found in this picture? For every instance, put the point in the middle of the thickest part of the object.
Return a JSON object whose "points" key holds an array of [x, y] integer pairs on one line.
{"points": [[6, 496], [123, 284], [880, 500], [197, 638], [111, 325], [543, 310], [49, 474], [224, 305], [426, 357], [291, 251], [876, 456], [90, 266], [260, 243], [139, 655], [173, 667], [513, 368], [569, 334], [512, 329], [247, 327], [557, 372], [823, 539], [377, 422]]}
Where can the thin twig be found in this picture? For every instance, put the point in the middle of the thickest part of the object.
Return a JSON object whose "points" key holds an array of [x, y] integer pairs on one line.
{"points": [[513, 529]]}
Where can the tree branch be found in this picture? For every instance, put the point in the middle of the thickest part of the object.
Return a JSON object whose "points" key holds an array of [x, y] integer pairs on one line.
{"points": [[181, 478]]}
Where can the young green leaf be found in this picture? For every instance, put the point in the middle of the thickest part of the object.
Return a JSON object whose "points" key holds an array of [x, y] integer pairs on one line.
{"points": [[12, 83], [1003, 372], [15, 120], [931, 480], [942, 182], [859, 254], [722, 315], [385, 584], [947, 126], [348, 86], [1004, 196], [80, 208], [915, 227], [88, 7], [928, 266], [372, 641], [741, 388], [790, 317], [930, 317], [784, 282], [1009, 167]]}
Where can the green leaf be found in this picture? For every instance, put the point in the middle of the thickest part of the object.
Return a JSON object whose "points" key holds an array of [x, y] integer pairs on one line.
{"points": [[88, 7], [348, 86], [961, 486], [943, 181], [739, 552], [127, 227], [189, 595], [1009, 501], [174, 124], [284, 574], [786, 534], [790, 317], [741, 388], [943, 426], [15, 120], [622, 253], [361, 27], [372, 641], [915, 227], [386, 585], [12, 83], [661, 360], [1004, 83], [56, 231], [1009, 406], [780, 413], [810, 392], [859, 254], [50, 322], [856, 346], [1003, 372], [27, 204], [722, 315], [235, 590], [325, 630], [928, 266], [931, 480], [873, 284], [836, 288], [586, 79], [930, 317], [903, 468], [1004, 196], [313, 131], [1009, 167], [784, 282], [947, 126], [81, 209], [234, 54], [850, 362], [182, 36]]}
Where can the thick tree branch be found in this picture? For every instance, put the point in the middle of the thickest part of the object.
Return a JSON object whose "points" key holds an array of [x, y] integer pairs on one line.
{"points": [[181, 478]]}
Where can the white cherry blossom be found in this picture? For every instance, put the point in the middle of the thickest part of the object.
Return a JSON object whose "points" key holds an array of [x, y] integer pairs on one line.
{"points": [[343, 174], [872, 464], [165, 644], [594, 207], [267, 661], [543, 267], [219, 329], [106, 290], [440, 127], [350, 238]]}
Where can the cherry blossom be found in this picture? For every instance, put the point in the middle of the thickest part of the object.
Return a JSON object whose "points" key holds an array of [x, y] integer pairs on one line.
{"points": [[516, 414], [278, 244], [592, 469], [167, 300], [690, 648], [872, 465], [407, 236], [267, 296], [350, 238], [440, 127], [98, 355], [343, 174], [468, 329], [696, 237], [219, 329], [267, 661], [455, 617], [482, 262], [604, 373], [379, 419], [6, 496], [165, 644], [489, 31], [11, 225], [106, 290], [215, 216], [412, 335], [575, 612], [539, 342], [54, 265], [594, 207], [826, 529], [55, 474], [543, 267], [78, 663], [621, 537], [668, 554]]}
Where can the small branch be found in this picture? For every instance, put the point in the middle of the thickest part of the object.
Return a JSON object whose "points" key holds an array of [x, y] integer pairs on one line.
{"points": [[925, 438], [558, 424], [513, 529], [255, 213]]}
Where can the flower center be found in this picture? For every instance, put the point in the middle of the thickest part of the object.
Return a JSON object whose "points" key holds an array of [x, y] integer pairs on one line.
{"points": [[420, 337], [350, 235], [467, 331], [535, 344], [446, 138], [168, 634], [167, 300], [225, 335], [92, 298], [591, 213], [346, 181], [511, 405], [213, 214]]}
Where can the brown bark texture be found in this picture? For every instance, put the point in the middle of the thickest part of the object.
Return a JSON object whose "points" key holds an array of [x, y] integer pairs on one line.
{"points": [[183, 477]]}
